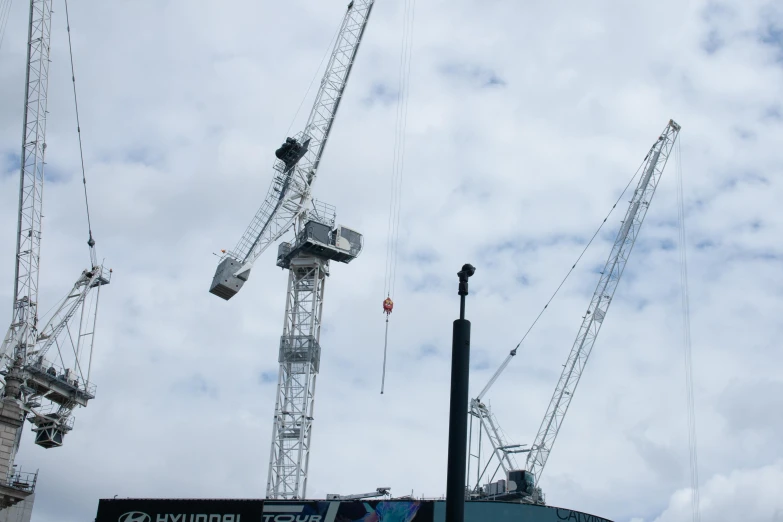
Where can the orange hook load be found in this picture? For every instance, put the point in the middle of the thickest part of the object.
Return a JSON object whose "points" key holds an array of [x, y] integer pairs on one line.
{"points": [[388, 304]]}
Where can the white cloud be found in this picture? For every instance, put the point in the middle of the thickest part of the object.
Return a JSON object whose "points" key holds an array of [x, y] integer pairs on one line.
{"points": [[744, 494], [182, 105]]}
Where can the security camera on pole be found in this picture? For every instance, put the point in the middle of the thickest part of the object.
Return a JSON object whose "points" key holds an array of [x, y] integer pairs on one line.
{"points": [[458, 421]]}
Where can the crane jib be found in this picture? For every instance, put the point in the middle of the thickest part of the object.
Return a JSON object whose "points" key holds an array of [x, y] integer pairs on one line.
{"points": [[289, 153], [600, 302], [654, 163], [286, 200]]}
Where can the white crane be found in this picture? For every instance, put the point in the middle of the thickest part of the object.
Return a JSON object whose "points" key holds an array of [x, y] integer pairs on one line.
{"points": [[523, 484], [316, 241], [40, 384]]}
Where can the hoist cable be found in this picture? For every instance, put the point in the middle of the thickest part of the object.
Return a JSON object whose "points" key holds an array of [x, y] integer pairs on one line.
{"points": [[390, 238], [396, 174], [398, 159], [403, 133], [315, 75], [5, 14], [385, 344], [686, 321], [582, 254], [398, 155], [91, 241]]}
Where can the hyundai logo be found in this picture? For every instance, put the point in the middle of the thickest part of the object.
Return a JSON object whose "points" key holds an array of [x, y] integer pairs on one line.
{"points": [[135, 516]]}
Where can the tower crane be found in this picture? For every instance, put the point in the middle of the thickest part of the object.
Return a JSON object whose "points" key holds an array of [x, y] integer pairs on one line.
{"points": [[289, 205], [42, 381], [522, 484]]}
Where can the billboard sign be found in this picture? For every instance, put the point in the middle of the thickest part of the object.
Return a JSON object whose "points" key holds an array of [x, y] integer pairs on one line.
{"points": [[187, 510]]}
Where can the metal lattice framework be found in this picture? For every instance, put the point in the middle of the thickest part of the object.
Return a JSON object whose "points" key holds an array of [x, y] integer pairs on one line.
{"points": [[299, 358], [502, 452], [290, 191], [655, 162], [44, 391], [57, 383], [69, 306], [488, 426], [287, 205], [22, 334]]}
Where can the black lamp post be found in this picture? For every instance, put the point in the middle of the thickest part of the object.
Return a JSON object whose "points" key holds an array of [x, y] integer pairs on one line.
{"points": [[458, 412]]}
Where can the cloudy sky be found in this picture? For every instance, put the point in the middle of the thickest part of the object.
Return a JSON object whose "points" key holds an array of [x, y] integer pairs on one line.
{"points": [[525, 123]]}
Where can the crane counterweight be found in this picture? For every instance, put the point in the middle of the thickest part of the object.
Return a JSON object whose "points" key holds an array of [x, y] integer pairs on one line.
{"points": [[226, 284]]}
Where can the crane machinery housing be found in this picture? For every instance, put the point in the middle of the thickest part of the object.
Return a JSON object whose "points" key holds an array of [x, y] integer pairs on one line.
{"points": [[521, 484], [42, 382], [316, 242]]}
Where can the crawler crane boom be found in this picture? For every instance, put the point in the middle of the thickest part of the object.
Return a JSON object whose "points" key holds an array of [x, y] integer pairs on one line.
{"points": [[523, 484], [599, 304]]}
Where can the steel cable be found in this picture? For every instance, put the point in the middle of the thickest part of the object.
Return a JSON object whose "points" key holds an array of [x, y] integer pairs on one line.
{"points": [[5, 14], [315, 75], [580, 255], [398, 153], [403, 134], [398, 160], [91, 241], [686, 320]]}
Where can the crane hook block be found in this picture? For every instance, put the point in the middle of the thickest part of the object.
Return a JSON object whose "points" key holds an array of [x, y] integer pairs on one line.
{"points": [[225, 284], [388, 304], [291, 152]]}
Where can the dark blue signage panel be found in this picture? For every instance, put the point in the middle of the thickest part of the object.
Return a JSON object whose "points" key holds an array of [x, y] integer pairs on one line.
{"points": [[196, 510], [192, 510]]}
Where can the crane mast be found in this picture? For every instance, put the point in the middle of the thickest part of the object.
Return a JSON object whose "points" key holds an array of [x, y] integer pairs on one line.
{"points": [[289, 205], [599, 304], [23, 331], [30, 378]]}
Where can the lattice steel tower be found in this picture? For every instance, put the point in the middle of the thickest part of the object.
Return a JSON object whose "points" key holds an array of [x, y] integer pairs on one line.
{"points": [[41, 384], [289, 205]]}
